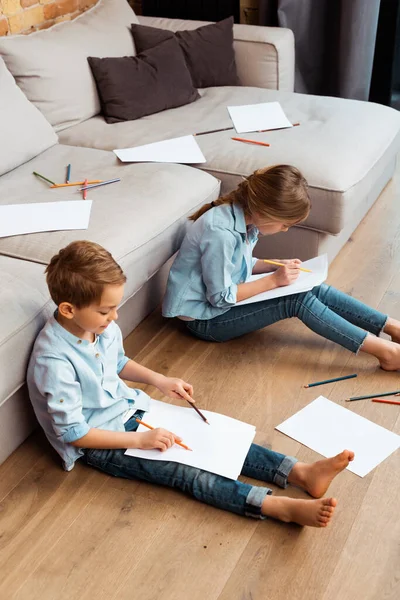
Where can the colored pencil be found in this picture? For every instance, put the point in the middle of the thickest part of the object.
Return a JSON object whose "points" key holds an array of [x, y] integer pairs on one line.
{"points": [[278, 128], [272, 262], [250, 141], [59, 185], [89, 187], [43, 177], [213, 131], [385, 401], [309, 385], [396, 393], [150, 427], [85, 189], [68, 177], [197, 410]]}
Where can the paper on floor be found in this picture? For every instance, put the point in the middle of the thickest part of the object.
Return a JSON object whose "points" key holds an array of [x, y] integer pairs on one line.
{"points": [[220, 447], [183, 150], [18, 219], [304, 282], [256, 117], [328, 428]]}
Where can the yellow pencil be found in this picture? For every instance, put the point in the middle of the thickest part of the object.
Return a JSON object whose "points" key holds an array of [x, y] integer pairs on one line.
{"points": [[57, 185], [278, 264], [151, 427]]}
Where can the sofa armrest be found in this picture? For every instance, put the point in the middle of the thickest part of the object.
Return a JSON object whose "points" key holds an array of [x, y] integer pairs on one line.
{"points": [[264, 55]]}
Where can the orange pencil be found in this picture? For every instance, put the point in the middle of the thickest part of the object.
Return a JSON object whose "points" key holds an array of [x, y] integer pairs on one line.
{"points": [[57, 185], [85, 191], [250, 141], [176, 442], [385, 401]]}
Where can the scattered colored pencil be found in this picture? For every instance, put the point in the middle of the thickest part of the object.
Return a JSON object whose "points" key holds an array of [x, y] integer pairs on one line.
{"points": [[385, 401], [309, 385], [197, 410], [150, 427], [68, 177], [89, 187], [214, 131], [396, 393], [278, 264], [278, 128], [85, 189], [43, 177], [59, 185], [250, 141]]}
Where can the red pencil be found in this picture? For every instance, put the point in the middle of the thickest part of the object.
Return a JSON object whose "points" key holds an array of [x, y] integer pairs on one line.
{"points": [[85, 191], [250, 141], [385, 401]]}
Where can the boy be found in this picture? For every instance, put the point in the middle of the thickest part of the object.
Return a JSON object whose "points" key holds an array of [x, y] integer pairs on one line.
{"points": [[75, 385]]}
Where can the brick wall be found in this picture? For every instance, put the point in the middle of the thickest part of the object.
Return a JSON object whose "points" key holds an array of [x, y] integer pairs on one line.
{"points": [[24, 16]]}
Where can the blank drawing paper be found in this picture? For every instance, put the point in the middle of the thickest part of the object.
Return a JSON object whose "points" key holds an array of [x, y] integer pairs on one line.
{"points": [[328, 428], [304, 282], [258, 117], [183, 150], [18, 219], [219, 448]]}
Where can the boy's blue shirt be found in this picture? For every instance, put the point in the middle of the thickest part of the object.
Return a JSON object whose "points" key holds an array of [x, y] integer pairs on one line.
{"points": [[215, 256], [74, 386]]}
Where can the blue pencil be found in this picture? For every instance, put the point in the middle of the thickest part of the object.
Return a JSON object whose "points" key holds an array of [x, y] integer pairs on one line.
{"points": [[68, 177], [330, 380], [94, 185]]}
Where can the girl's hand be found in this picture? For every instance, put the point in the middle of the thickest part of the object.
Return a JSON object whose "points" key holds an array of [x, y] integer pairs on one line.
{"points": [[288, 261], [286, 275], [176, 388], [159, 438]]}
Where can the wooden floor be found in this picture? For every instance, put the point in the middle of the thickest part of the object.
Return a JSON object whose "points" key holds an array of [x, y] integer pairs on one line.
{"points": [[84, 535]]}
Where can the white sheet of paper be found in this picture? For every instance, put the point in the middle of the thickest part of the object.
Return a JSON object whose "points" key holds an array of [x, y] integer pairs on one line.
{"points": [[18, 219], [220, 447], [183, 150], [304, 282], [329, 428], [256, 117]]}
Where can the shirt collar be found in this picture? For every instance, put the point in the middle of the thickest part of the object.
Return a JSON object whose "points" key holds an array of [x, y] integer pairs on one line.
{"points": [[238, 215], [67, 335]]}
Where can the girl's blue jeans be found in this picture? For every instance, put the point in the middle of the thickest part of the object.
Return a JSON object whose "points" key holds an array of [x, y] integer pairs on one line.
{"points": [[324, 309], [235, 496]]}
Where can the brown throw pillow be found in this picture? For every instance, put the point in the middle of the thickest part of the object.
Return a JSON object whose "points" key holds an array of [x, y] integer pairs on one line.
{"points": [[208, 50], [135, 86]]}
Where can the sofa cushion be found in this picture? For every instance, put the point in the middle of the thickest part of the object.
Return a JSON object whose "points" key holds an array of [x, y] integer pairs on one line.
{"points": [[131, 87], [208, 50], [25, 133], [51, 67], [338, 145]]}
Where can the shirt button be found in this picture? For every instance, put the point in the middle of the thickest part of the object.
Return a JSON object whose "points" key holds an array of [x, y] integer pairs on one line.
{"points": [[79, 341], [97, 355], [61, 400]]}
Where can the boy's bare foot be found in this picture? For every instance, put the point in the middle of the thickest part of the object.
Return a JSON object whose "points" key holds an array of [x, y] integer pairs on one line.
{"points": [[317, 477], [392, 328], [314, 513], [387, 352]]}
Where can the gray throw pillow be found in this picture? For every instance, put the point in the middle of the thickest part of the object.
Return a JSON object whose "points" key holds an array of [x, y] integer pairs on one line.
{"points": [[131, 87], [208, 50]]}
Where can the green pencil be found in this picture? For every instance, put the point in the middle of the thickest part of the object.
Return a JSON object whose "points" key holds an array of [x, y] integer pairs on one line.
{"points": [[43, 177], [396, 393], [330, 380]]}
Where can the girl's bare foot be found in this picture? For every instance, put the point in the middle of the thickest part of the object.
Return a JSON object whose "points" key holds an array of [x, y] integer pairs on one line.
{"points": [[314, 513], [387, 352], [317, 477]]}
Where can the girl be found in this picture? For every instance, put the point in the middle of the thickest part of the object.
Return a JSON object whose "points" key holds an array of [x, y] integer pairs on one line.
{"points": [[211, 271]]}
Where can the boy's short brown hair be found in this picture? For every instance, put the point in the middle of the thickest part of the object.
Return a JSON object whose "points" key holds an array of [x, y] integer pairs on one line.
{"points": [[79, 272]]}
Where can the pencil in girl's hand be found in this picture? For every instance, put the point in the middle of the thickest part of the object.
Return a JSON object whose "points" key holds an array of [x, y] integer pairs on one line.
{"points": [[250, 141], [85, 189], [151, 427], [278, 264], [330, 380], [68, 177], [192, 404]]}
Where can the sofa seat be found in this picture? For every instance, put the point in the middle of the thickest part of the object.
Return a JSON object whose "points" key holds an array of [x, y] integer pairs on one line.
{"points": [[343, 147]]}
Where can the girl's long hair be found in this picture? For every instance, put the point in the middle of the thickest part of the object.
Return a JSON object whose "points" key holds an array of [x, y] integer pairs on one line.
{"points": [[278, 193]]}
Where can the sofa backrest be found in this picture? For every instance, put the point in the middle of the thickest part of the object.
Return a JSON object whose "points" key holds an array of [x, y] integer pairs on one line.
{"points": [[51, 66], [25, 133]]}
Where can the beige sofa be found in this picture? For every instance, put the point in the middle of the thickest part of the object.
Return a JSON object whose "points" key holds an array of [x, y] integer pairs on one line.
{"points": [[346, 149]]}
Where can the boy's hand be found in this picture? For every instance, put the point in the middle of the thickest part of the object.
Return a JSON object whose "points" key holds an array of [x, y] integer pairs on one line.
{"points": [[159, 438], [176, 388], [286, 275]]}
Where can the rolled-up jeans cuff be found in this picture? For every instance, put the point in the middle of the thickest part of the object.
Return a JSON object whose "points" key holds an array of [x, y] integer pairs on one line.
{"points": [[282, 472], [254, 501]]}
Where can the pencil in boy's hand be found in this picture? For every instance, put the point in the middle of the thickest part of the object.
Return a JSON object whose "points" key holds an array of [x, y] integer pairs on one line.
{"points": [[151, 427], [192, 404], [278, 264], [309, 385]]}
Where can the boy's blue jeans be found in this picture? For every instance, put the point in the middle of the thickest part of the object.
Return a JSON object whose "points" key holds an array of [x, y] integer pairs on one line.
{"points": [[235, 496], [324, 309]]}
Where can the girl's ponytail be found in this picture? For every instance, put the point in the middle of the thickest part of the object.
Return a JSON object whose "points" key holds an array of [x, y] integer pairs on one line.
{"points": [[227, 199]]}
